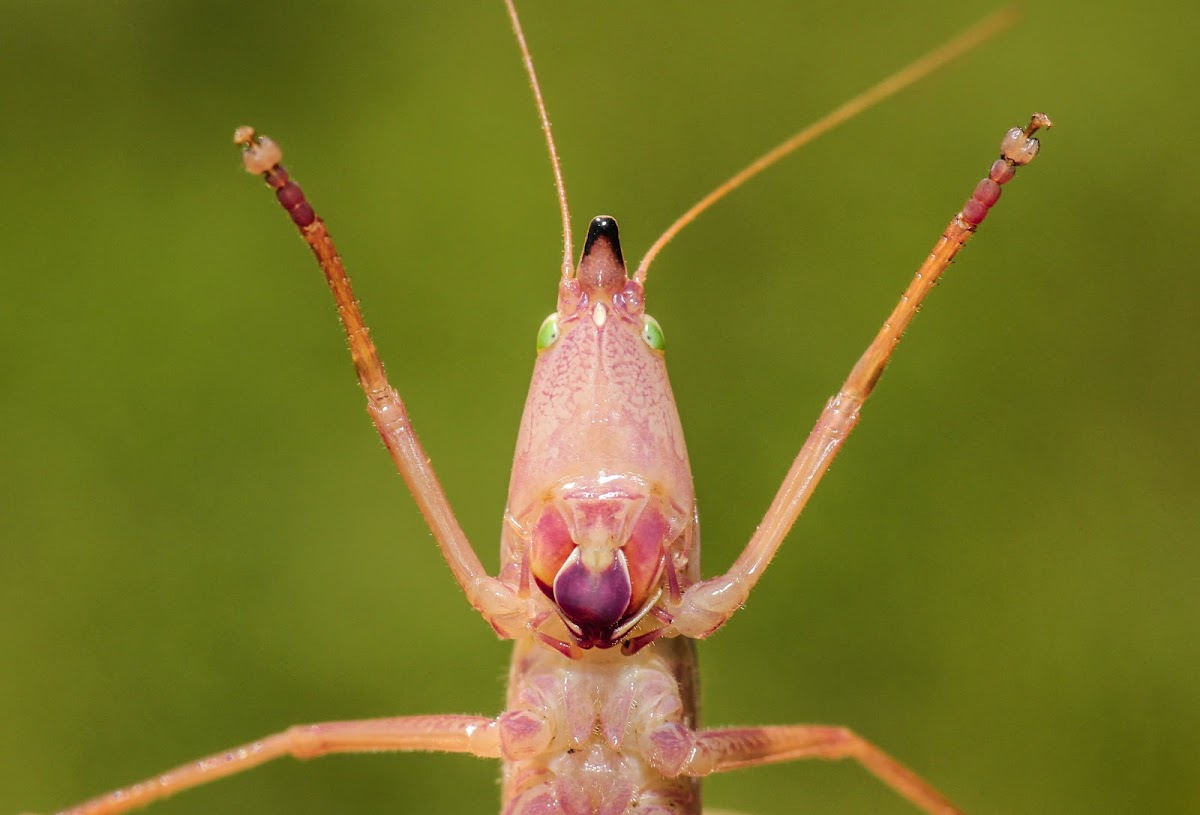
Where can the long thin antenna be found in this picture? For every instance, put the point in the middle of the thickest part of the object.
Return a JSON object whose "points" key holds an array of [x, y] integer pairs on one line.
{"points": [[906, 76], [568, 268]]}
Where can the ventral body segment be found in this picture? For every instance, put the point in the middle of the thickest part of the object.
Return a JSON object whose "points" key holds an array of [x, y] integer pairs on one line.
{"points": [[601, 503]]}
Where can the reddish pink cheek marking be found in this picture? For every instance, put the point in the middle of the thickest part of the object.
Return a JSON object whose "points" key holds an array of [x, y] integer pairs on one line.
{"points": [[550, 548], [643, 554]]}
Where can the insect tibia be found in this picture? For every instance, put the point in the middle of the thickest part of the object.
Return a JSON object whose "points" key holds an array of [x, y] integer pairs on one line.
{"points": [[707, 604], [261, 156], [1017, 148]]}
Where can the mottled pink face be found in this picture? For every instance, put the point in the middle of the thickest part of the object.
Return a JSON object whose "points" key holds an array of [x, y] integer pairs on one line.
{"points": [[601, 489], [598, 550]]}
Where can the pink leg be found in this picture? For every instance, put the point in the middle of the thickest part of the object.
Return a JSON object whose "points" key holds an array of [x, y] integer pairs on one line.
{"points": [[477, 735], [706, 605], [504, 606], [714, 751]]}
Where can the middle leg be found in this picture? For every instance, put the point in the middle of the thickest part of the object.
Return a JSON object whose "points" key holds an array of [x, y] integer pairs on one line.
{"points": [[476, 735], [677, 750]]}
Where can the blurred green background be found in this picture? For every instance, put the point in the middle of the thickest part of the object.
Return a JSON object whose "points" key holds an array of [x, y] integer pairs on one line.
{"points": [[202, 540]]}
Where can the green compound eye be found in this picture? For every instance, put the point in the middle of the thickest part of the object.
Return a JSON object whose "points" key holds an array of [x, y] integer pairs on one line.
{"points": [[548, 333], [652, 333]]}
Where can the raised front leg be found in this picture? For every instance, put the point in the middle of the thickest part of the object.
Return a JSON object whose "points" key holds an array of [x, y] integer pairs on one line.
{"points": [[706, 605], [477, 735], [509, 609], [697, 753]]}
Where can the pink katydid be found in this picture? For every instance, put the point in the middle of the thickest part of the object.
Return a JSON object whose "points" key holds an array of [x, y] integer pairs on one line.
{"points": [[599, 584]]}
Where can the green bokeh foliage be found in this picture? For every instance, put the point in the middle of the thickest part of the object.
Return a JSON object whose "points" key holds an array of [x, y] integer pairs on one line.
{"points": [[201, 540]]}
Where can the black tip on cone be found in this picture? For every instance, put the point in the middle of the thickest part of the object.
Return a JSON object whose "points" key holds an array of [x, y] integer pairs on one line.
{"points": [[604, 228]]}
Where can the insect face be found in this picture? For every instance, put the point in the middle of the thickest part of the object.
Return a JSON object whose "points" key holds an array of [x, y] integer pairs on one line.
{"points": [[605, 540]]}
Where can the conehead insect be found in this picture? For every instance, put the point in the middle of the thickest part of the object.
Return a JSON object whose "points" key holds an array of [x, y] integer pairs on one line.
{"points": [[599, 586]]}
